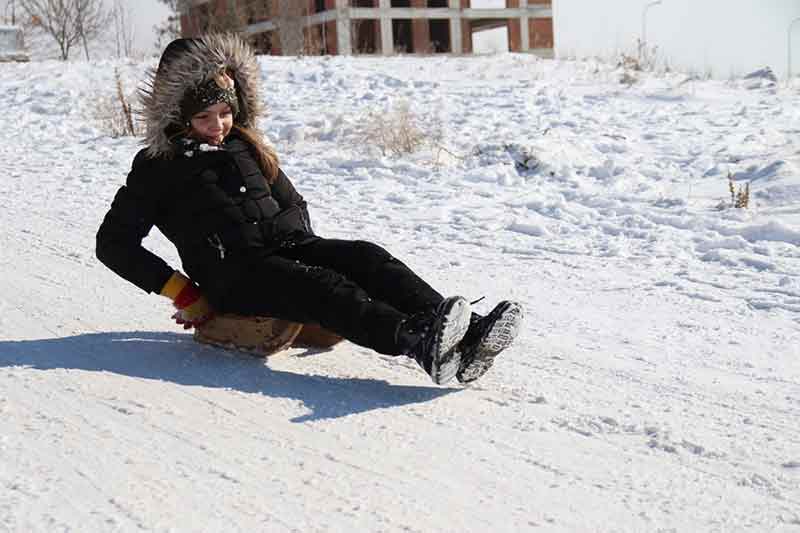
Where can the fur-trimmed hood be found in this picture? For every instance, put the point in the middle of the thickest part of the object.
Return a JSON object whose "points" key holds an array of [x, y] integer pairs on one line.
{"points": [[185, 64]]}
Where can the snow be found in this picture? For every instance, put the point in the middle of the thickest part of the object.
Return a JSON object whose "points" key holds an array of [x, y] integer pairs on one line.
{"points": [[655, 385]]}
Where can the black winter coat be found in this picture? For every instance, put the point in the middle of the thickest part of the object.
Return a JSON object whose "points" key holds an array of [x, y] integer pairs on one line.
{"points": [[215, 206]]}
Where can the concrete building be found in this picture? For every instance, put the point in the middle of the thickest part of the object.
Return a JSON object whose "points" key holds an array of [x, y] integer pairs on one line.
{"points": [[12, 46], [373, 26]]}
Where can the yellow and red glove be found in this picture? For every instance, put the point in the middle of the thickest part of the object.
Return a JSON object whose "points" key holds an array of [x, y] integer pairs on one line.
{"points": [[193, 308]]}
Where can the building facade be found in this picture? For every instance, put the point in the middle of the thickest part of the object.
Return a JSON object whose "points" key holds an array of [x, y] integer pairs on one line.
{"points": [[383, 27], [12, 46]]}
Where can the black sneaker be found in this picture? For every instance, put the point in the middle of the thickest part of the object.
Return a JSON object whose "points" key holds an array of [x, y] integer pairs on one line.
{"points": [[486, 337], [435, 334]]}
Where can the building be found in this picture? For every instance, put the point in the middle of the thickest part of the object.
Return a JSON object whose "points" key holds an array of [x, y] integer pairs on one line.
{"points": [[12, 47], [372, 26]]}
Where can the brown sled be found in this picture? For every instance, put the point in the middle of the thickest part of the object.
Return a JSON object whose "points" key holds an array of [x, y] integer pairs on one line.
{"points": [[262, 336]]}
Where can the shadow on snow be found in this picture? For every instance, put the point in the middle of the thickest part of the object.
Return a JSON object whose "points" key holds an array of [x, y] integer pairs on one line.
{"points": [[178, 358]]}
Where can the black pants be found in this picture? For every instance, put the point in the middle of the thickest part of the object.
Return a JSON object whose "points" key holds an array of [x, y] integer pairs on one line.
{"points": [[354, 288]]}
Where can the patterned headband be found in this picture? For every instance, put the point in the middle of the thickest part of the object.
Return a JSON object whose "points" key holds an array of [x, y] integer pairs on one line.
{"points": [[218, 88]]}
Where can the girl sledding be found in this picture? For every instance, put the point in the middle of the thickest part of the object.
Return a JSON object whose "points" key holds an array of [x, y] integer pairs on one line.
{"points": [[212, 185]]}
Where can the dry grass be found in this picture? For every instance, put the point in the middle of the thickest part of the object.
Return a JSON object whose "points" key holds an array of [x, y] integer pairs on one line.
{"points": [[740, 196], [114, 112], [398, 131], [645, 59]]}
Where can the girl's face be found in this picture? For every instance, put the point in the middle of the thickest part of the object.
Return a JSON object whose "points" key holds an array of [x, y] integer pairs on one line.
{"points": [[213, 123]]}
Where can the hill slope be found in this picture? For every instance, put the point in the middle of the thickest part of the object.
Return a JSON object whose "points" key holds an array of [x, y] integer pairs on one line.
{"points": [[655, 385]]}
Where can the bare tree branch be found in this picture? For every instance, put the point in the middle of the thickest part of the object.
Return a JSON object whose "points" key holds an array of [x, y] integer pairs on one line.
{"points": [[68, 22], [124, 30], [170, 28], [290, 20], [92, 19]]}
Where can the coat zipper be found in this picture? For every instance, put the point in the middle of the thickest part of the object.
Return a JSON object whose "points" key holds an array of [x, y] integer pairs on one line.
{"points": [[216, 242]]}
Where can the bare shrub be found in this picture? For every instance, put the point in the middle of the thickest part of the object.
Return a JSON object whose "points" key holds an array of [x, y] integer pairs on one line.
{"points": [[114, 112], [647, 56], [628, 79], [644, 59], [740, 196], [398, 131]]}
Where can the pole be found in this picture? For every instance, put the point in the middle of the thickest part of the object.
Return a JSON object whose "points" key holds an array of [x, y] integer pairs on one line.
{"points": [[789, 48], [644, 19]]}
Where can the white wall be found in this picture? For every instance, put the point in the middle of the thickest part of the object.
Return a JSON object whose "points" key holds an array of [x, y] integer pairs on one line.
{"points": [[725, 37], [9, 39], [489, 41]]}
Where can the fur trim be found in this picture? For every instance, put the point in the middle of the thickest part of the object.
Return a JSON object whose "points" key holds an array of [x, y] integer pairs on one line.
{"points": [[163, 91]]}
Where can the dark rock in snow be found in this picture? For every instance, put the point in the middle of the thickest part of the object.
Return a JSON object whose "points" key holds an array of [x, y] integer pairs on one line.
{"points": [[762, 74]]}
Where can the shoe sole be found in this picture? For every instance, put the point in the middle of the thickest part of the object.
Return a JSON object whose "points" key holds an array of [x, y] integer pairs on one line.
{"points": [[498, 338], [447, 359]]}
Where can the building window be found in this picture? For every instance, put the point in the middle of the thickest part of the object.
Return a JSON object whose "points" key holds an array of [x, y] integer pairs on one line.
{"points": [[403, 36], [364, 32], [439, 34]]}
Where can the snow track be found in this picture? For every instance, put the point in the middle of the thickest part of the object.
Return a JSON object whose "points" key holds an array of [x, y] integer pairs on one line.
{"points": [[655, 385]]}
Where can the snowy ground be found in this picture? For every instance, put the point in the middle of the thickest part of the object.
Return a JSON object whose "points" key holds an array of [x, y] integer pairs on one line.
{"points": [[655, 386]]}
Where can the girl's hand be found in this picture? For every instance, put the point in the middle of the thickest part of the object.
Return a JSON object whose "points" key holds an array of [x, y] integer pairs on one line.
{"points": [[188, 321], [193, 308]]}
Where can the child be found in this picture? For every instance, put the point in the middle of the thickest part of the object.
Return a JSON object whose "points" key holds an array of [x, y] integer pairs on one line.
{"points": [[211, 184]]}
